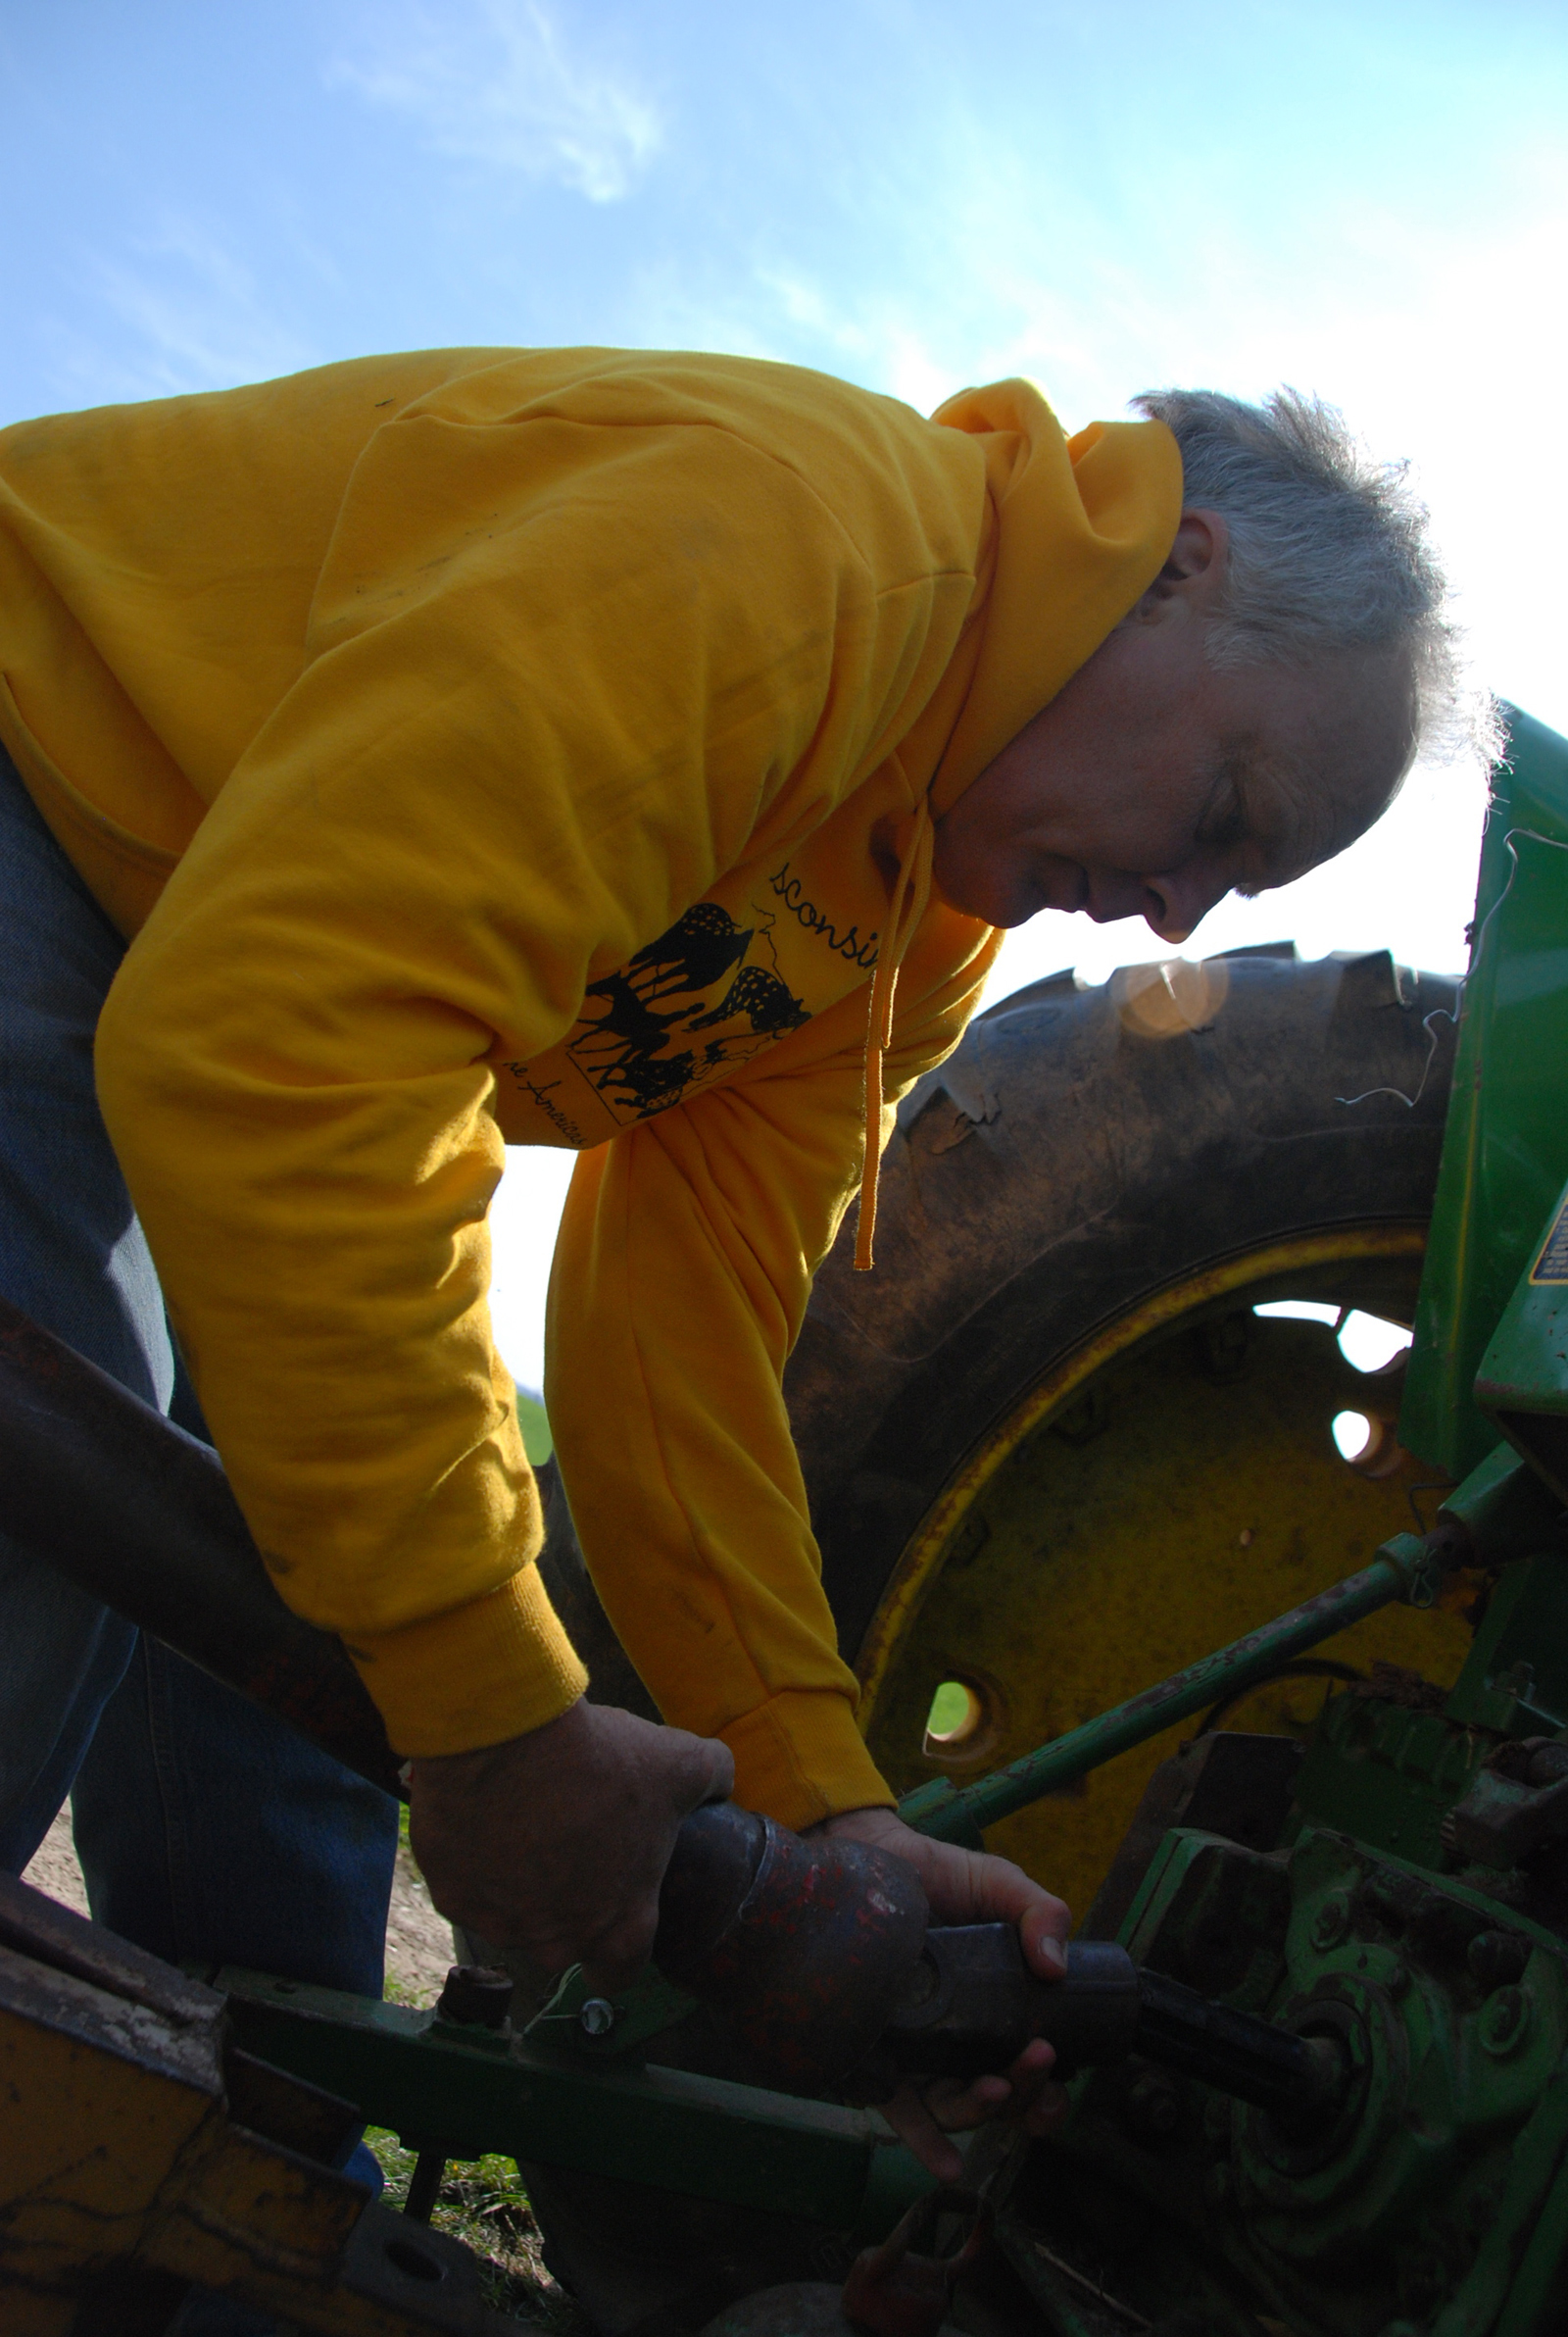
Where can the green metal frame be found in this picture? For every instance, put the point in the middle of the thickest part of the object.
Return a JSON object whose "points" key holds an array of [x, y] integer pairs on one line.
{"points": [[1448, 2196], [1506, 1150], [464, 2091]]}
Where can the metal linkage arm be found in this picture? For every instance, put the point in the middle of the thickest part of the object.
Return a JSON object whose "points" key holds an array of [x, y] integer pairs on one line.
{"points": [[140, 1516], [1401, 1569]]}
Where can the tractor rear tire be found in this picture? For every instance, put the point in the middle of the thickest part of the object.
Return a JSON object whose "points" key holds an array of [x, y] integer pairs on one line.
{"points": [[1050, 1450]]}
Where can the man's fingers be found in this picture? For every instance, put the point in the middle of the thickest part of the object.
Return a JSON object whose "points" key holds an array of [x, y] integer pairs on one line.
{"points": [[911, 2121], [694, 1768], [1004, 1894], [611, 1978], [1044, 1933], [975, 1886], [1047, 2111], [717, 1772], [617, 1954], [1035, 2064]]}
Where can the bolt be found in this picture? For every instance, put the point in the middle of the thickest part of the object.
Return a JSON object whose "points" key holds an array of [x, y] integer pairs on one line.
{"points": [[1331, 1921], [1497, 1958], [598, 2017], [923, 1982], [475, 1994], [1152, 2109], [1423, 2282], [1505, 2020]]}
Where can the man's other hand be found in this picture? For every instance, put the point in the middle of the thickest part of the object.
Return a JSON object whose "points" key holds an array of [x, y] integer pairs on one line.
{"points": [[969, 1886], [555, 1843]]}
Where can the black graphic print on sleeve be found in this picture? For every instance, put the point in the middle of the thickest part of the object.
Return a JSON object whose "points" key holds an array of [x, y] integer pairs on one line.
{"points": [[634, 1040]]}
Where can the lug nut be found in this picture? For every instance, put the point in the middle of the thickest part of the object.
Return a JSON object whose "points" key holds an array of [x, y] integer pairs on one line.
{"points": [[1152, 2108], [1497, 1958], [1504, 2020], [1331, 1921]]}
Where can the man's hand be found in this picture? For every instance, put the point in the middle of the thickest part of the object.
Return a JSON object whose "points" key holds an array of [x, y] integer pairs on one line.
{"points": [[969, 1886], [557, 1842]]}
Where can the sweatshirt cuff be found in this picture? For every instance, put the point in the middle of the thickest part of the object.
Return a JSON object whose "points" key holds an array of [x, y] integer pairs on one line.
{"points": [[477, 1676], [800, 1758]]}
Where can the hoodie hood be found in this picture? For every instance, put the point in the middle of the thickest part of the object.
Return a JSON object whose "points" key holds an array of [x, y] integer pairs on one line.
{"points": [[1078, 528], [1083, 527]]}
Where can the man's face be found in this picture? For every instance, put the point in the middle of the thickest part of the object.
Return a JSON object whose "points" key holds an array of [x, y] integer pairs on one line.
{"points": [[1154, 783]]}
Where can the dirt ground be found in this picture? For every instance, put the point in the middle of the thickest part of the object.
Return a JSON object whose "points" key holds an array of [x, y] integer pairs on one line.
{"points": [[418, 1943]]}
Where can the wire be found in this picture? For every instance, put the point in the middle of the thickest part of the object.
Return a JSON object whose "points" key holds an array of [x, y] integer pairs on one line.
{"points": [[1451, 1015], [1304, 1668], [1426, 1485]]}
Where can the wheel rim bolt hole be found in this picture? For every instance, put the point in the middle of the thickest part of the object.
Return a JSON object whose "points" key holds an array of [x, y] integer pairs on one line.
{"points": [[962, 1722]]}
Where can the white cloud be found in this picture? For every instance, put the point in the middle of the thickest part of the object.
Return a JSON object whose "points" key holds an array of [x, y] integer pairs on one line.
{"points": [[498, 84], [186, 316]]}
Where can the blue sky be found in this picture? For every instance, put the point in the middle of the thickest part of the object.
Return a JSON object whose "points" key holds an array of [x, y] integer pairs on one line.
{"points": [[1369, 201]]}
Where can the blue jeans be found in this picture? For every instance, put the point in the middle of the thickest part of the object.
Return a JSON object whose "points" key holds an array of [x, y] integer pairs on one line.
{"points": [[207, 1831]]}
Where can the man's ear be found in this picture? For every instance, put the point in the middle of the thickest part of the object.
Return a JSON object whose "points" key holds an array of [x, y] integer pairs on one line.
{"points": [[1194, 575]]}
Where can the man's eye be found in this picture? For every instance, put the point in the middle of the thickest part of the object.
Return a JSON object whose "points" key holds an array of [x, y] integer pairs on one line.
{"points": [[1224, 829]]}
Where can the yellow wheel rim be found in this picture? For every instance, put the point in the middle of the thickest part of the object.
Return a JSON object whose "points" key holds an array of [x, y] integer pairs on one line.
{"points": [[1168, 1486]]}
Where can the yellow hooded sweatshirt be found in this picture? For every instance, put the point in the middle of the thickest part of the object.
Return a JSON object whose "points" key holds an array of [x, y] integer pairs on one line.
{"points": [[492, 747]]}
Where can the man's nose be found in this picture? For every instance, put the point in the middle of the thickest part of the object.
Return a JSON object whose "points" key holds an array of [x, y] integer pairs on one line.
{"points": [[1173, 905]]}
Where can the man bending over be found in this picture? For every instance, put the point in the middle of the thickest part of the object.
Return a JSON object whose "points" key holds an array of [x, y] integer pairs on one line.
{"points": [[636, 753]]}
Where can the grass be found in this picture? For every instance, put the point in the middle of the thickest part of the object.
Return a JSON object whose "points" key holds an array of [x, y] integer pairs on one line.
{"points": [[484, 2204], [534, 1421]]}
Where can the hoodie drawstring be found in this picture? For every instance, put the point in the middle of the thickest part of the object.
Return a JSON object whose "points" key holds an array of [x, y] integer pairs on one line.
{"points": [[912, 894]]}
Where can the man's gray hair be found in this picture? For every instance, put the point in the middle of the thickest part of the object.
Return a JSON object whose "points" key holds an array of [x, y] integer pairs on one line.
{"points": [[1329, 550]]}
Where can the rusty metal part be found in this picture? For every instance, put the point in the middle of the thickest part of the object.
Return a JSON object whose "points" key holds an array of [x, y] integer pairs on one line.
{"points": [[138, 2156], [140, 1516], [893, 2291], [800, 1947], [477, 1994]]}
